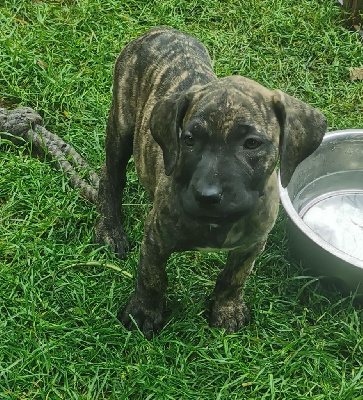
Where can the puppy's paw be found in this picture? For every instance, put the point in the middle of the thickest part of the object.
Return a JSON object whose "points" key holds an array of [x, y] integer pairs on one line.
{"points": [[139, 313], [229, 315], [112, 236]]}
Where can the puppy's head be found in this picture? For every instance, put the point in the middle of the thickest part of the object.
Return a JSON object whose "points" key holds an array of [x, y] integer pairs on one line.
{"points": [[222, 142]]}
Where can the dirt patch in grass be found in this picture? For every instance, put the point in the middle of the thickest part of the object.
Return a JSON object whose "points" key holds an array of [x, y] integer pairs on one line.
{"points": [[8, 103]]}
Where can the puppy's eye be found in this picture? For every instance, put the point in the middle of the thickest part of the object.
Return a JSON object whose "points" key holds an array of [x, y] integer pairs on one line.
{"points": [[188, 139], [251, 144]]}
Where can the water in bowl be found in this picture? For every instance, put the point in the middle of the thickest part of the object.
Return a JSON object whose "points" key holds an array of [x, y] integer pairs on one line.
{"points": [[332, 206]]}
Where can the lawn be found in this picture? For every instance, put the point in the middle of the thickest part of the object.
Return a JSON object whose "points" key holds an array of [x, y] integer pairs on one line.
{"points": [[59, 335]]}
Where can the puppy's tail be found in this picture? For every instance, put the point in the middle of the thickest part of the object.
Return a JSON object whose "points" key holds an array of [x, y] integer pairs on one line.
{"points": [[24, 124]]}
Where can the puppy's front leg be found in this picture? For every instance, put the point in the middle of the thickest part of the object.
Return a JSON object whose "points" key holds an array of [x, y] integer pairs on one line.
{"points": [[228, 309], [146, 305]]}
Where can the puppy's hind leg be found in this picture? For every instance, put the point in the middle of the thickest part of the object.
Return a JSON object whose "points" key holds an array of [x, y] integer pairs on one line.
{"points": [[119, 139]]}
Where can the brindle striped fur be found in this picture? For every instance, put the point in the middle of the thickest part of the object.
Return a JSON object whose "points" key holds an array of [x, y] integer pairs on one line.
{"points": [[205, 149]]}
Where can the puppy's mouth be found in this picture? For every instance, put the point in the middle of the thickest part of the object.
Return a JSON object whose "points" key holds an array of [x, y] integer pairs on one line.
{"points": [[216, 219], [220, 214]]}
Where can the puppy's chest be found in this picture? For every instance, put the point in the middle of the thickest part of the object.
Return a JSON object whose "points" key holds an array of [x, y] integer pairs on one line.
{"points": [[213, 237]]}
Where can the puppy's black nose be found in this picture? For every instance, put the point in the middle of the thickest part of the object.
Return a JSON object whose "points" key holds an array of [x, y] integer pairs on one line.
{"points": [[208, 195]]}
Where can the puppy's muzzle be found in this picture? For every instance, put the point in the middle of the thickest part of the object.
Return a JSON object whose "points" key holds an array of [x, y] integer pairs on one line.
{"points": [[207, 195]]}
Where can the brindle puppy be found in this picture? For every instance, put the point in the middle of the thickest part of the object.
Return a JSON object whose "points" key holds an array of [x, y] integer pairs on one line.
{"points": [[206, 150]]}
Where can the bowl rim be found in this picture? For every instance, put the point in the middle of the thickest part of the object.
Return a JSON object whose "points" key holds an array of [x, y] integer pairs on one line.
{"points": [[298, 221]]}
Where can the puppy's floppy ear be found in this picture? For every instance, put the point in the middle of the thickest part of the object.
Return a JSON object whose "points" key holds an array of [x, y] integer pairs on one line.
{"points": [[165, 123], [302, 130]]}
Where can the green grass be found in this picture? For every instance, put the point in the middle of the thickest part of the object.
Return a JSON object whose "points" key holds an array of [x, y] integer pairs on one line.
{"points": [[59, 336]]}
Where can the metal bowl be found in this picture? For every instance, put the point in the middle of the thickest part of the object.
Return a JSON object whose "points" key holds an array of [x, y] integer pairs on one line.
{"points": [[324, 204]]}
